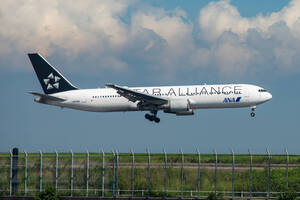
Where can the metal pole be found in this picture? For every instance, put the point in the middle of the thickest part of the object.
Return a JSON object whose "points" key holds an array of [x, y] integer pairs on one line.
{"points": [[41, 171], [199, 173], [149, 172], [87, 172], [113, 178], [103, 172], [182, 171], [25, 176], [56, 170], [117, 173], [132, 174], [72, 173], [232, 179], [216, 171], [269, 172], [10, 177], [165, 171], [250, 174], [287, 168]]}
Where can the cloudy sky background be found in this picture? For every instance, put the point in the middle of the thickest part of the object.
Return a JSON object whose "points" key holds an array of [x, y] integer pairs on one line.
{"points": [[141, 43]]}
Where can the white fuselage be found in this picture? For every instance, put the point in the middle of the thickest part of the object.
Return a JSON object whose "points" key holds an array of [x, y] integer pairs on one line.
{"points": [[198, 96]]}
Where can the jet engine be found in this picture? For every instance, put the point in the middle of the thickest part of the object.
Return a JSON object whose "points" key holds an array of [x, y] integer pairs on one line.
{"points": [[179, 107]]}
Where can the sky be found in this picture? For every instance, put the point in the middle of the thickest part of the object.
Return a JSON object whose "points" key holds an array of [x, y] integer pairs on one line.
{"points": [[151, 43]]}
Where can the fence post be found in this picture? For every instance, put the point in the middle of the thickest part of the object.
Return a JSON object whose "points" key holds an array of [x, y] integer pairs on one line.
{"points": [[232, 179], [15, 169], [41, 171], [199, 173], [149, 172], [117, 173], [132, 174], [269, 171], [165, 172], [113, 178], [216, 171], [250, 174], [182, 171], [72, 172], [56, 170], [10, 176], [26, 173], [87, 171], [287, 168], [103, 171]]}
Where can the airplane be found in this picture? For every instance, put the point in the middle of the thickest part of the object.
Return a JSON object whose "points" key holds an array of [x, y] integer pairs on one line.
{"points": [[179, 100]]}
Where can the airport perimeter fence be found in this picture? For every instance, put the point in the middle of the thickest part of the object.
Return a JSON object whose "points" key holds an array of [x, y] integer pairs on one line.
{"points": [[132, 174]]}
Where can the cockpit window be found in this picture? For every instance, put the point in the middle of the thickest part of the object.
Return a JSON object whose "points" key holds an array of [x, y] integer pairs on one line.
{"points": [[262, 90]]}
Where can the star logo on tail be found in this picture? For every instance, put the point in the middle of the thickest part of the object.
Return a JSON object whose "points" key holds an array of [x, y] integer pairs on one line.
{"points": [[52, 81]]}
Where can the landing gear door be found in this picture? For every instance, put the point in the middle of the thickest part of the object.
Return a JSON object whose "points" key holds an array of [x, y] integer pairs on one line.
{"points": [[83, 99], [246, 94]]}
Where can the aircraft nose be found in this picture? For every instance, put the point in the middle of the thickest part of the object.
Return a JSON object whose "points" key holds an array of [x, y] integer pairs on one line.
{"points": [[268, 96]]}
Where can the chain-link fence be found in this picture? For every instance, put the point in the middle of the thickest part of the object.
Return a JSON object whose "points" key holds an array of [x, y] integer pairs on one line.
{"points": [[149, 175]]}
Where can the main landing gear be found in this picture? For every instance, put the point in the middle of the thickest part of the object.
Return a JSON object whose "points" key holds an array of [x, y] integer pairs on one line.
{"points": [[152, 117], [252, 114]]}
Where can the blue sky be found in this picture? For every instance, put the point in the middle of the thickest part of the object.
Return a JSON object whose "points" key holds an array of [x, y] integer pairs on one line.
{"points": [[142, 43]]}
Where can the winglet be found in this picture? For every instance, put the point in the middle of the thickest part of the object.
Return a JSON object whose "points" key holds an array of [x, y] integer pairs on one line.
{"points": [[110, 85]]}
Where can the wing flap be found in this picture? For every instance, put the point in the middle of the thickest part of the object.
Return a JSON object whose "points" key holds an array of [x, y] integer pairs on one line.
{"points": [[134, 96]]}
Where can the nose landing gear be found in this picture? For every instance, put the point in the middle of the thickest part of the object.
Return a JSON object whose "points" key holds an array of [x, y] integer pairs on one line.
{"points": [[152, 117], [252, 114]]}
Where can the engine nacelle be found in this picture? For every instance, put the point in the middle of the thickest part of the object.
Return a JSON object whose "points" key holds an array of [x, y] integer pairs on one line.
{"points": [[179, 107], [188, 112], [181, 113]]}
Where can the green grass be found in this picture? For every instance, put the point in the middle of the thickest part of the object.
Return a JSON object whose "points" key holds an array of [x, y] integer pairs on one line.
{"points": [[173, 158], [157, 173]]}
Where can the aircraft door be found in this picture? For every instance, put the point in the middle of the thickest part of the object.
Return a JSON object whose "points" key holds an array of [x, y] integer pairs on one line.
{"points": [[246, 94]]}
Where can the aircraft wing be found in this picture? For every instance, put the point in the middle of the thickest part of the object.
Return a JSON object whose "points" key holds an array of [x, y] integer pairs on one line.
{"points": [[134, 96], [43, 97]]}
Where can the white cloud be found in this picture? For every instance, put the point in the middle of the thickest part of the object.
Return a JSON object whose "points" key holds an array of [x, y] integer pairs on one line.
{"points": [[71, 25], [169, 26], [249, 51], [218, 17], [152, 37]]}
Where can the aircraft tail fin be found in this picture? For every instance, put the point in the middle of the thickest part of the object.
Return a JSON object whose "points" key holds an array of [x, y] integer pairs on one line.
{"points": [[51, 80]]}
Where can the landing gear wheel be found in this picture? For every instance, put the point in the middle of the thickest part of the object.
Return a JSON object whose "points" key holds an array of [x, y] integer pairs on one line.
{"points": [[252, 114], [151, 118], [147, 116]]}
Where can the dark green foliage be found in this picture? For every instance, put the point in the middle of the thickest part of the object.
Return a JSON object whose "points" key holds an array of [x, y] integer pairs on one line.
{"points": [[287, 195], [211, 196], [159, 194], [48, 194]]}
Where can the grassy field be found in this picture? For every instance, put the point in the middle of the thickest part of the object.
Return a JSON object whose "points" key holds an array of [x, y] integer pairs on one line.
{"points": [[159, 176], [175, 158]]}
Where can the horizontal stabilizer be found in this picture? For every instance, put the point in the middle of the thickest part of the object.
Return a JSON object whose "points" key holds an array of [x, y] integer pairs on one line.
{"points": [[44, 97]]}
